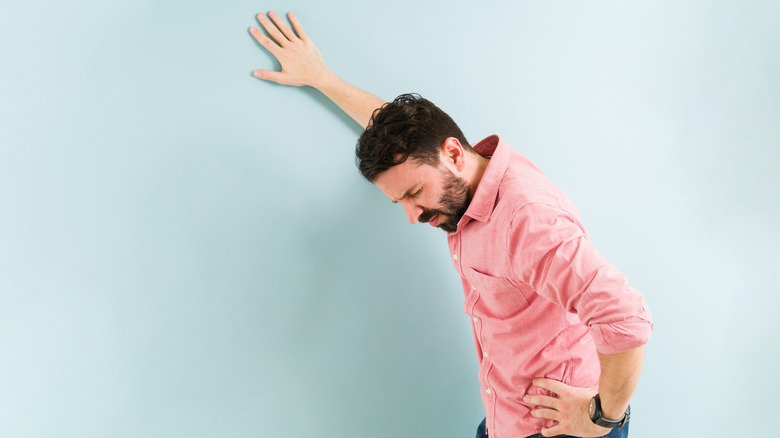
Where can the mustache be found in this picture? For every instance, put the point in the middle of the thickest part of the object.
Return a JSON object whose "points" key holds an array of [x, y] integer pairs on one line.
{"points": [[427, 215]]}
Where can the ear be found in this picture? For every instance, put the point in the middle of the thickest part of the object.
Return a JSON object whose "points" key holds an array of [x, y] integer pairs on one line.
{"points": [[452, 153]]}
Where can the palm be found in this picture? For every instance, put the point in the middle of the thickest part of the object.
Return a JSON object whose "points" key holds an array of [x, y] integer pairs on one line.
{"points": [[301, 62]]}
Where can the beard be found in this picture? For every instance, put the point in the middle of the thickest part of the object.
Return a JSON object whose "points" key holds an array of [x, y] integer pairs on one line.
{"points": [[454, 202]]}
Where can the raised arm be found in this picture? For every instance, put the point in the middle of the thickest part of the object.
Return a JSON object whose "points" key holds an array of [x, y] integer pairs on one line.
{"points": [[302, 65]]}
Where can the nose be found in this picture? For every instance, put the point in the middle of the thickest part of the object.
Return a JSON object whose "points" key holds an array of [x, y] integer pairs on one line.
{"points": [[413, 211]]}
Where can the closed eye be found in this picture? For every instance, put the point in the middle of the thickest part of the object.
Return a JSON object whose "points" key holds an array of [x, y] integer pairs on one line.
{"points": [[410, 195]]}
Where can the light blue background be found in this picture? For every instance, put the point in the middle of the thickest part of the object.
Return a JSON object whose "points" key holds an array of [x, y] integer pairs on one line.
{"points": [[188, 251]]}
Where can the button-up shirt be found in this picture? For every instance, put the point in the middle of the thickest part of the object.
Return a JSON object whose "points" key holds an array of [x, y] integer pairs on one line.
{"points": [[542, 301]]}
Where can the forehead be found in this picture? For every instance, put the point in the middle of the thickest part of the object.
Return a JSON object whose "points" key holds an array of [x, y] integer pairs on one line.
{"points": [[397, 180]]}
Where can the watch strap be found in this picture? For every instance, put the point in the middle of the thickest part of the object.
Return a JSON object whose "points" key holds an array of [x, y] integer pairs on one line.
{"points": [[598, 418]]}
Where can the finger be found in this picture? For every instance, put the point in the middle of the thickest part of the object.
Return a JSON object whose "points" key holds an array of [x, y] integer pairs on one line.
{"points": [[549, 414], [542, 400], [268, 75], [552, 431], [297, 26], [265, 41], [272, 30], [553, 386], [288, 33]]}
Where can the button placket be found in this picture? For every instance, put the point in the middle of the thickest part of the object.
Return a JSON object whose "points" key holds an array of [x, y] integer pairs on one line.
{"points": [[485, 366], [455, 247]]}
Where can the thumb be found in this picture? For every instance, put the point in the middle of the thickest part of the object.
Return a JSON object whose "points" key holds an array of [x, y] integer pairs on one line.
{"points": [[269, 75], [551, 385]]}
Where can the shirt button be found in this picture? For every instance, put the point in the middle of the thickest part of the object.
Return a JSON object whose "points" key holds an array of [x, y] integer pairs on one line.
{"points": [[476, 319], [455, 256], [489, 391], [485, 354]]}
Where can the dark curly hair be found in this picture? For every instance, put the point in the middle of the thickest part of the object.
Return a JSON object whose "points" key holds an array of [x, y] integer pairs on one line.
{"points": [[409, 126]]}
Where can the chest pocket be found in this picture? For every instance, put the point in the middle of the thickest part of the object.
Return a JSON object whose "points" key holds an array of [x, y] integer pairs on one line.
{"points": [[494, 297]]}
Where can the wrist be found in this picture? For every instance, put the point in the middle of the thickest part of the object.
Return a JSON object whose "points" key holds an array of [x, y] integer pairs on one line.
{"points": [[324, 80], [612, 406], [604, 416], [612, 413]]}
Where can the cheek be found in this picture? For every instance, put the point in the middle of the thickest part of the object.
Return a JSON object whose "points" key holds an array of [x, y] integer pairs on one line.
{"points": [[433, 200]]}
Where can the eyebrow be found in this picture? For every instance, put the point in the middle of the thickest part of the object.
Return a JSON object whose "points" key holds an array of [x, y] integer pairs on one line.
{"points": [[407, 193]]}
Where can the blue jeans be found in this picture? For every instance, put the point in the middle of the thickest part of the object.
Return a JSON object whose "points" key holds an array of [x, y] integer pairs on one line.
{"points": [[614, 433]]}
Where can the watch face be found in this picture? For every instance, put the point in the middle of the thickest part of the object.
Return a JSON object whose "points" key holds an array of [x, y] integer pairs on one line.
{"points": [[592, 407]]}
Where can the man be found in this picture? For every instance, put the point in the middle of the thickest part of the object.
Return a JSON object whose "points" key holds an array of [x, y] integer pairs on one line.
{"points": [[559, 334]]}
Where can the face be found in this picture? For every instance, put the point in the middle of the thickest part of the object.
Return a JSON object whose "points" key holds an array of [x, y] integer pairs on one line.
{"points": [[427, 193]]}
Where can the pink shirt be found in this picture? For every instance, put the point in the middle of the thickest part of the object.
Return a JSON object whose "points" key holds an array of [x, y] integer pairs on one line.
{"points": [[542, 300]]}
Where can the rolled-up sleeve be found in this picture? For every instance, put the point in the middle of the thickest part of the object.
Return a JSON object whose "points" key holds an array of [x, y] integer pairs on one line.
{"points": [[551, 253]]}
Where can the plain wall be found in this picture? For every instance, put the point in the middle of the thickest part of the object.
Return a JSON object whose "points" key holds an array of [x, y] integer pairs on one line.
{"points": [[188, 251]]}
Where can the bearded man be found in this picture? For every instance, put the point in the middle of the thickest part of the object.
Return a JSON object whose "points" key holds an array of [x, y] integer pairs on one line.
{"points": [[559, 333]]}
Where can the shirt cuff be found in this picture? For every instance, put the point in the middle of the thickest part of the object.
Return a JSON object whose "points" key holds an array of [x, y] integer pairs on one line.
{"points": [[619, 337]]}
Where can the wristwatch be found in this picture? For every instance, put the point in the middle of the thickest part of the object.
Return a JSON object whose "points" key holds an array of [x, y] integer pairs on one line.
{"points": [[597, 418]]}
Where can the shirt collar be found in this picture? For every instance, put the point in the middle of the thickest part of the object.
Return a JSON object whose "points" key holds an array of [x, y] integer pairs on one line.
{"points": [[481, 206]]}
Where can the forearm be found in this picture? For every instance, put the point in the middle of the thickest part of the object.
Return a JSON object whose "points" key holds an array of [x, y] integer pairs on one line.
{"points": [[619, 377], [358, 104]]}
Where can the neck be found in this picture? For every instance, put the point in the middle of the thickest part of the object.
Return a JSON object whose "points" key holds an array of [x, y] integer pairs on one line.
{"points": [[477, 170]]}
